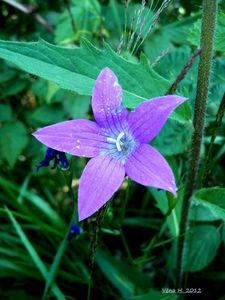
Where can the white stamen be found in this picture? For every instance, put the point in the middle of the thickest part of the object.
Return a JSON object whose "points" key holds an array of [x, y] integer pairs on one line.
{"points": [[109, 139], [118, 143]]}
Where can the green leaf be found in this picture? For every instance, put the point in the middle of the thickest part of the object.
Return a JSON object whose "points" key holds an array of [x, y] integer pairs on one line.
{"points": [[75, 106], [213, 199], [77, 69], [123, 277], [113, 271], [219, 44], [5, 113], [173, 219], [174, 138], [55, 266], [87, 18], [201, 247], [33, 254], [183, 113], [13, 139], [45, 115], [156, 295], [202, 213]]}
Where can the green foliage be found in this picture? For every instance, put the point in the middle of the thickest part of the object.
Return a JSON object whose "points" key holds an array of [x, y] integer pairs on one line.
{"points": [[6, 113], [201, 247], [32, 252], [174, 138], [194, 37], [213, 199], [87, 18], [13, 140], [156, 295]]}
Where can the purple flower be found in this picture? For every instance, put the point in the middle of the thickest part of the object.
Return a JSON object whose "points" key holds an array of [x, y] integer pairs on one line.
{"points": [[58, 157], [117, 143]]}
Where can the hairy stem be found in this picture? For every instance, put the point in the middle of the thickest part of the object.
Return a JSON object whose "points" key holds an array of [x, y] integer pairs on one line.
{"points": [[207, 39], [208, 160]]}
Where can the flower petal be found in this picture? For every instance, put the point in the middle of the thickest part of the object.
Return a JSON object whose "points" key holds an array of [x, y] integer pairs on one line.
{"points": [[100, 179], [150, 116], [77, 137], [148, 167], [106, 101]]}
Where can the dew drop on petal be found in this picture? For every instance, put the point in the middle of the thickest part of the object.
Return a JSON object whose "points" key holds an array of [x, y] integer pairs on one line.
{"points": [[115, 83]]}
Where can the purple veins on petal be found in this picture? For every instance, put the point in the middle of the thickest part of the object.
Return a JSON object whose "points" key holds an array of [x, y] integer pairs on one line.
{"points": [[77, 137], [100, 179], [106, 101], [148, 167], [149, 117]]}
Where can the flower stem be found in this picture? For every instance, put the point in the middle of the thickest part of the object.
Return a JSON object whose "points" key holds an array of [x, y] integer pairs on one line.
{"points": [[94, 245], [207, 39]]}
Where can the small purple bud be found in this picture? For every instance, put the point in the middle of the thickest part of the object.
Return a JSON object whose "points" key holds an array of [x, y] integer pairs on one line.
{"points": [[74, 231], [58, 157]]}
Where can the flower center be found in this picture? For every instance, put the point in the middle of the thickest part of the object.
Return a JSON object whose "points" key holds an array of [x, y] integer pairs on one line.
{"points": [[120, 145]]}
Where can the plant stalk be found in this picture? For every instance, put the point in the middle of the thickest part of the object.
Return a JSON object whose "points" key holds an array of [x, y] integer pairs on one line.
{"points": [[94, 244], [207, 40]]}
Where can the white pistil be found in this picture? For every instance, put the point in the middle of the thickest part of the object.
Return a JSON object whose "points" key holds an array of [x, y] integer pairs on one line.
{"points": [[117, 141]]}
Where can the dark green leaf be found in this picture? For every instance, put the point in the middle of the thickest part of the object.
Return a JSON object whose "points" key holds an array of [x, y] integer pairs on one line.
{"points": [[213, 199], [13, 140], [174, 138], [201, 247], [45, 115], [5, 113]]}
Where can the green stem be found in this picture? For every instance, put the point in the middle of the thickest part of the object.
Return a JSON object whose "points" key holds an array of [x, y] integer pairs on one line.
{"points": [[208, 160], [94, 244], [207, 39], [124, 204]]}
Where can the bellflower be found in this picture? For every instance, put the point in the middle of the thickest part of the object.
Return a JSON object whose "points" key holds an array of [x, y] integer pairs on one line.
{"points": [[57, 156], [117, 144], [75, 230]]}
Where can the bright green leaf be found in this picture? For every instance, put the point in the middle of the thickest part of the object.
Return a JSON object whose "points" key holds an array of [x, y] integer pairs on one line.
{"points": [[76, 69]]}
